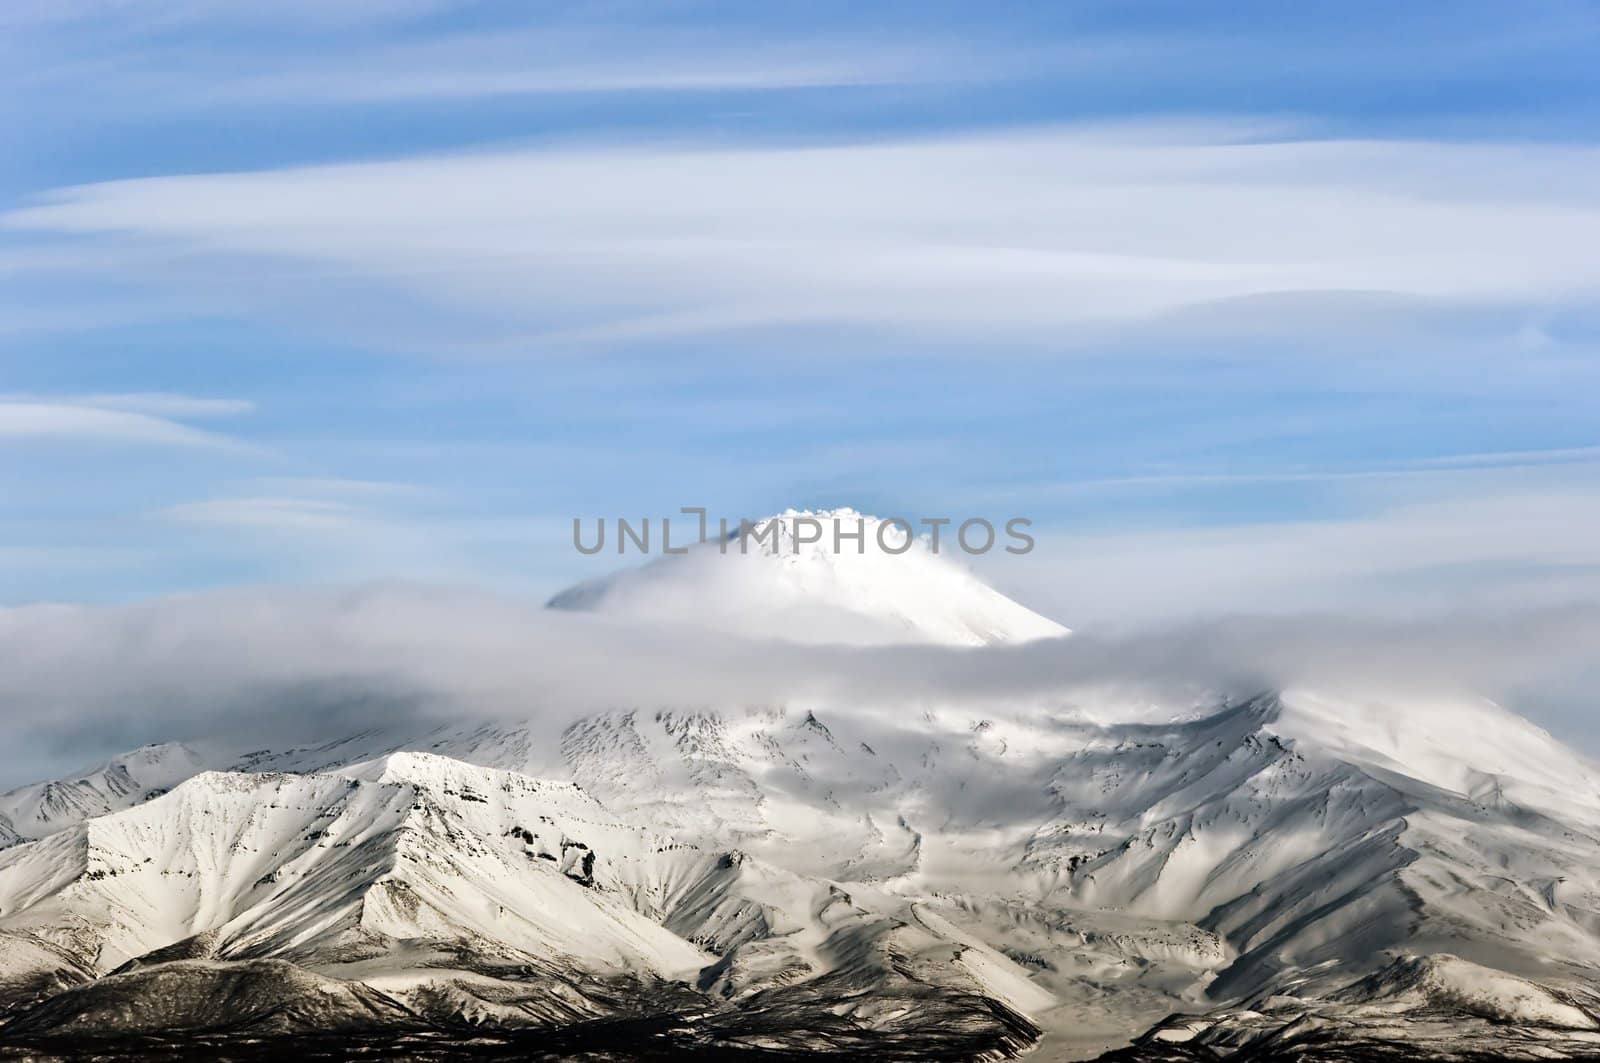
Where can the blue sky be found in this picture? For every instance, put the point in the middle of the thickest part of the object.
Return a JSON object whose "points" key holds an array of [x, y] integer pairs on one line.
{"points": [[1247, 306]]}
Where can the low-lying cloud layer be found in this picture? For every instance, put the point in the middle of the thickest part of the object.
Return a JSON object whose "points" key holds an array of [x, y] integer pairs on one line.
{"points": [[274, 667]]}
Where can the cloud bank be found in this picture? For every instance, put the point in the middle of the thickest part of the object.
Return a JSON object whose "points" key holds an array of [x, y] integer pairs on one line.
{"points": [[276, 667]]}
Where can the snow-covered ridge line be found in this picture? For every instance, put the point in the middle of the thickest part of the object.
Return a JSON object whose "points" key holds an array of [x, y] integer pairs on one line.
{"points": [[441, 884], [1305, 868], [1173, 862]]}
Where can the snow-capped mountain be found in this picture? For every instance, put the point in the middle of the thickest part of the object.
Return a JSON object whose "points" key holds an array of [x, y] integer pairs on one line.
{"points": [[1338, 875], [42, 808], [884, 586], [419, 894]]}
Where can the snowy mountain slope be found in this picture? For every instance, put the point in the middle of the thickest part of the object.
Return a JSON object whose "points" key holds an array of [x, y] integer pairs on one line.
{"points": [[260, 997], [1432, 1007], [1282, 848], [950, 809], [1274, 846], [1278, 845], [776, 587], [1376, 876], [1311, 865], [40, 809], [441, 887], [284, 865]]}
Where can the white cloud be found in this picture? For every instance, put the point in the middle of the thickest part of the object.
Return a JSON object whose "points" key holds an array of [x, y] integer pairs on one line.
{"points": [[1492, 552], [95, 423], [301, 515], [180, 61], [340, 531], [555, 63], [152, 403], [1036, 234], [1419, 468], [342, 487], [272, 666]]}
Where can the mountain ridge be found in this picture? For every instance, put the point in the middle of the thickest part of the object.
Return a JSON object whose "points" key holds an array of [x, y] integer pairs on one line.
{"points": [[1190, 882], [453, 873], [1352, 874]]}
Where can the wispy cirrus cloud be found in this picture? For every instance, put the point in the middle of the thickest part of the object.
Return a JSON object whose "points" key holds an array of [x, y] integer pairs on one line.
{"points": [[346, 488], [1493, 546], [555, 62], [150, 403], [294, 56], [301, 515], [349, 530], [1019, 234], [110, 419], [1423, 468], [311, 507]]}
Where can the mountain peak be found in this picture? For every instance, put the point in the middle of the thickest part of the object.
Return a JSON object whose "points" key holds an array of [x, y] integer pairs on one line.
{"points": [[832, 575]]}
